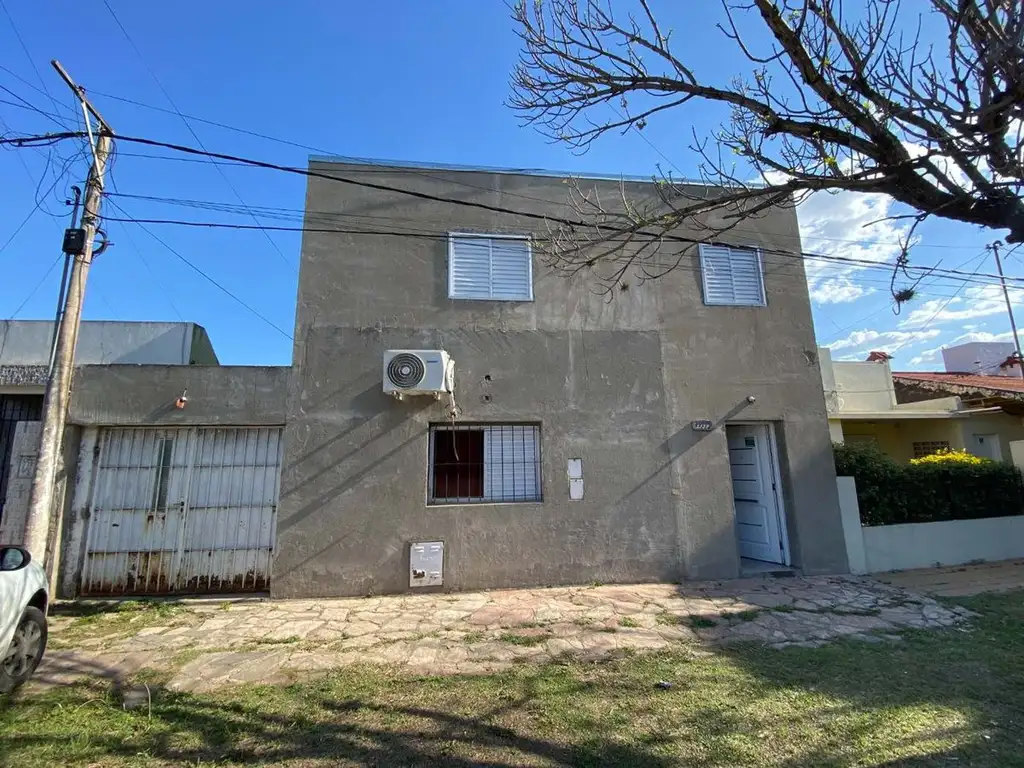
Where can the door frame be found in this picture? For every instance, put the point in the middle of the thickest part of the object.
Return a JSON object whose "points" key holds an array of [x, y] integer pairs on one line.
{"points": [[776, 478]]}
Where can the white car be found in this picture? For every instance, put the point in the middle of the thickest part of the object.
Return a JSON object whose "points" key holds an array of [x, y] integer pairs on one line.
{"points": [[23, 602]]}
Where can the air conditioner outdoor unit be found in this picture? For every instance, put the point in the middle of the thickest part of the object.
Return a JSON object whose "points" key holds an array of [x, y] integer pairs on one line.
{"points": [[418, 372]]}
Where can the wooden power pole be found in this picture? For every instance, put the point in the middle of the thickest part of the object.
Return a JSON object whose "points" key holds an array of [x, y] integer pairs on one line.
{"points": [[1009, 305], [78, 244]]}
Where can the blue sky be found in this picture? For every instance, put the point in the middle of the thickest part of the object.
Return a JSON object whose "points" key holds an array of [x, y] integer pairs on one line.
{"points": [[403, 80]]}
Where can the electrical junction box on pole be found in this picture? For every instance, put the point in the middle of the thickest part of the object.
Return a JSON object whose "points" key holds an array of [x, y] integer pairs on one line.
{"points": [[74, 241]]}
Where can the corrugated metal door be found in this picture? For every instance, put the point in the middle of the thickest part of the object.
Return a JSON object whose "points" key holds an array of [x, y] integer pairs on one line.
{"points": [[13, 408], [183, 510]]}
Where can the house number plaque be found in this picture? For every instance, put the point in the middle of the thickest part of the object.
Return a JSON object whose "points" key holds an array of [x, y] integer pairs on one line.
{"points": [[701, 425]]}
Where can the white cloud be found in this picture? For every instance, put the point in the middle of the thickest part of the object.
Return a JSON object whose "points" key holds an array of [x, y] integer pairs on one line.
{"points": [[838, 290], [977, 301], [882, 341], [849, 225], [929, 355], [985, 336]]}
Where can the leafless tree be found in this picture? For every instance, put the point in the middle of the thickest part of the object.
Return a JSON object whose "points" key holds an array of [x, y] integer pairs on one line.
{"points": [[838, 96]]}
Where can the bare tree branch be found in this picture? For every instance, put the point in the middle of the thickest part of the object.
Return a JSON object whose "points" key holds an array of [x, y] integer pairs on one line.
{"points": [[840, 99]]}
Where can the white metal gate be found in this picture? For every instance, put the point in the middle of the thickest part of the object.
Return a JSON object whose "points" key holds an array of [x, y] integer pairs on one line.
{"points": [[183, 510]]}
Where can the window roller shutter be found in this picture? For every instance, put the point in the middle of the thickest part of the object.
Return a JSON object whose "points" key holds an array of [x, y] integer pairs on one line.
{"points": [[470, 269], [496, 268], [732, 276], [510, 269]]}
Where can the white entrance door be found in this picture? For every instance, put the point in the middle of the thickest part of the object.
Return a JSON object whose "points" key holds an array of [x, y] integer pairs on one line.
{"points": [[987, 447], [759, 524]]}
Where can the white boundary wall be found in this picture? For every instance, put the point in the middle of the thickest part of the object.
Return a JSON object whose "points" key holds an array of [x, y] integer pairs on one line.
{"points": [[874, 549]]}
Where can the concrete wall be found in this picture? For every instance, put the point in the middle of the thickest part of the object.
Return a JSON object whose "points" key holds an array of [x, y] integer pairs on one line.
{"points": [[125, 395], [863, 386], [615, 383], [27, 342], [23, 379], [1017, 454], [983, 357], [880, 548]]}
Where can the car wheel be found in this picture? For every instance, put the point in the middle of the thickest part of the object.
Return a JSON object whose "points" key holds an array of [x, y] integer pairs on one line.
{"points": [[26, 650]]}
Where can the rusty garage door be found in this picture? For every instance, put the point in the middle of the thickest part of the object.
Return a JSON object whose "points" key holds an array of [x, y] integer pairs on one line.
{"points": [[183, 510]]}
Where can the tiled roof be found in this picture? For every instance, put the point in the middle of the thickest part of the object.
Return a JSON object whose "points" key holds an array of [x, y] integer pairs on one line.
{"points": [[1007, 384]]}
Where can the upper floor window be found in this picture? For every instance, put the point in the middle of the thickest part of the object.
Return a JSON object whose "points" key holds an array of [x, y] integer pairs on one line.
{"points": [[732, 276], [494, 267]]}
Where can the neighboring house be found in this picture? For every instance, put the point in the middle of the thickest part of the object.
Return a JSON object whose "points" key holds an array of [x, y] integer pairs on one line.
{"points": [[658, 435], [996, 401], [909, 415], [169, 475], [25, 355]]}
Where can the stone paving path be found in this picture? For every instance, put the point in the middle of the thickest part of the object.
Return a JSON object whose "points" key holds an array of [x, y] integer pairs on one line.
{"points": [[212, 644]]}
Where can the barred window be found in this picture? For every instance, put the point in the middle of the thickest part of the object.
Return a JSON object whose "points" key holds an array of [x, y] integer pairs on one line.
{"points": [[928, 447], [484, 463]]}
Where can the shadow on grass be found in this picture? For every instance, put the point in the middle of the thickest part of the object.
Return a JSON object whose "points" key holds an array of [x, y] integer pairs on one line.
{"points": [[934, 699], [307, 723]]}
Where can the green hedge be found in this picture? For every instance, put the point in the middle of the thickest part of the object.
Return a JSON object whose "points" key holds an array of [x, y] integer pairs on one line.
{"points": [[889, 493]]}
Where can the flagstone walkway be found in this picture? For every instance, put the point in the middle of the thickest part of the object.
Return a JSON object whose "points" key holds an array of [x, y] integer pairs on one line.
{"points": [[204, 645]]}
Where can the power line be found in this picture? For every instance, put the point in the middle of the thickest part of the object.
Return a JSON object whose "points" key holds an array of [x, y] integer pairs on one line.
{"points": [[188, 125], [28, 55], [37, 286], [138, 252], [31, 108], [310, 173], [37, 89], [331, 217], [203, 274], [26, 104], [427, 174], [36, 207], [945, 304], [277, 211]]}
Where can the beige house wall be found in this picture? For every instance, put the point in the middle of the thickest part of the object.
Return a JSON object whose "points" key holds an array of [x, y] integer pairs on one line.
{"points": [[897, 438], [1009, 428]]}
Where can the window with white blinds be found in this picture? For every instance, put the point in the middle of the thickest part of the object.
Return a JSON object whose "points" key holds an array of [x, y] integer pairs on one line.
{"points": [[494, 267], [732, 276]]}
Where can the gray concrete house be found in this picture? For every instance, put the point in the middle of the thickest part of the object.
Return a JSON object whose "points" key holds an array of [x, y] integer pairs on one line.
{"points": [[677, 431]]}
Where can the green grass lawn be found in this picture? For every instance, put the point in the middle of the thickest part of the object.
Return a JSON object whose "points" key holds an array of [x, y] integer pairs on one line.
{"points": [[952, 698]]}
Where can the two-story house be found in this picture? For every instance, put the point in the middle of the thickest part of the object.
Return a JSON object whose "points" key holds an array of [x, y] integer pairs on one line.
{"points": [[676, 431]]}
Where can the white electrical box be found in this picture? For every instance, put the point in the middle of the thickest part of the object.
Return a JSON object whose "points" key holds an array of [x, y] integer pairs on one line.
{"points": [[575, 472], [426, 564]]}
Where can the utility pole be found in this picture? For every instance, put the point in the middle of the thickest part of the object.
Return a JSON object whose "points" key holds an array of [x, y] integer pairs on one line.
{"points": [[63, 283], [1009, 305], [78, 243]]}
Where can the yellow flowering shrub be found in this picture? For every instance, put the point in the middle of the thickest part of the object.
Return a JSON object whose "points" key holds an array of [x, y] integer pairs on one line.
{"points": [[948, 456]]}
